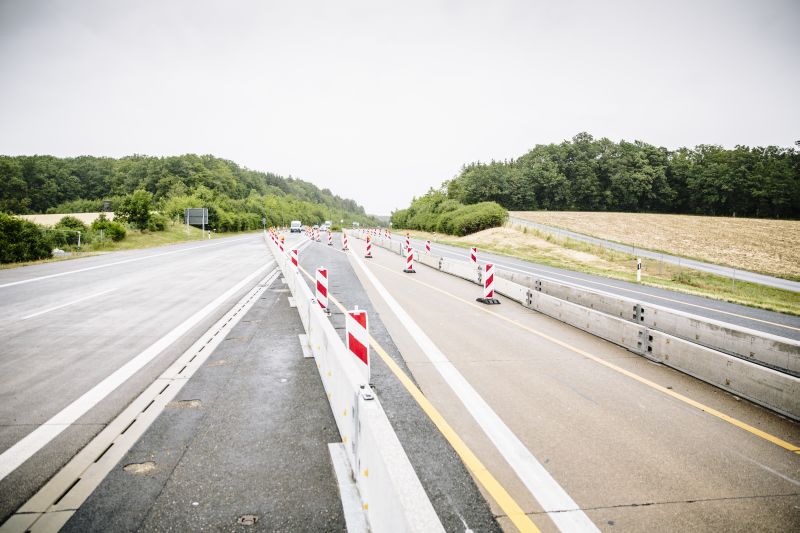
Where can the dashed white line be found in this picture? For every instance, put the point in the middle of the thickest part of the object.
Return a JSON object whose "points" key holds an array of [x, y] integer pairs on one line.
{"points": [[73, 302], [25, 448]]}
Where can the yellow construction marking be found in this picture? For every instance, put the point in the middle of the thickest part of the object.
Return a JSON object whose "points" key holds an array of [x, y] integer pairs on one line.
{"points": [[500, 495], [710, 410]]}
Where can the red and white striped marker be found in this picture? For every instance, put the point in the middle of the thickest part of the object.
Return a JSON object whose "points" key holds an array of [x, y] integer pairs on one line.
{"points": [[409, 261], [293, 256], [344, 242], [427, 247], [408, 241], [280, 244], [330, 238], [473, 256], [357, 333], [488, 285], [368, 255], [322, 288]]}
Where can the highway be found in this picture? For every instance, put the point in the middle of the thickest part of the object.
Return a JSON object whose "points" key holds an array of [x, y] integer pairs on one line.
{"points": [[757, 319], [80, 338], [728, 272], [578, 433], [556, 414]]}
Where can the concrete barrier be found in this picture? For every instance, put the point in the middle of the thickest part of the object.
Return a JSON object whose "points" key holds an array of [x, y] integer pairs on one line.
{"points": [[393, 497], [760, 367], [757, 347]]}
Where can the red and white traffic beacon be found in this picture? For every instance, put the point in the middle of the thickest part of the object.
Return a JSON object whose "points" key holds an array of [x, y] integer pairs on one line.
{"points": [[368, 255], [488, 286], [409, 261], [322, 289], [357, 333]]}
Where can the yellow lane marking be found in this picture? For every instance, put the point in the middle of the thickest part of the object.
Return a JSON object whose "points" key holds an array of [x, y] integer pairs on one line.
{"points": [[547, 273], [509, 506], [710, 410]]}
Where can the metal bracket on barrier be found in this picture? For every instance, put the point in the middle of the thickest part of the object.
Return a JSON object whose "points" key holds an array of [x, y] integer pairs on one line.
{"points": [[537, 285], [645, 343], [366, 393], [638, 313], [480, 274], [529, 298], [440, 263]]}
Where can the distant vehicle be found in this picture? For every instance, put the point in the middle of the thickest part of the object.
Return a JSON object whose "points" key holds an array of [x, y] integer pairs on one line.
{"points": [[315, 226], [296, 226]]}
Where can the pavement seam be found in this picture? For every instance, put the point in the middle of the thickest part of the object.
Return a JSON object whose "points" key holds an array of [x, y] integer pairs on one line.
{"points": [[669, 502]]}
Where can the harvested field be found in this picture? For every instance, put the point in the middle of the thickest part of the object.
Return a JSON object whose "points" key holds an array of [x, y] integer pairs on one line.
{"points": [[759, 245], [52, 220]]}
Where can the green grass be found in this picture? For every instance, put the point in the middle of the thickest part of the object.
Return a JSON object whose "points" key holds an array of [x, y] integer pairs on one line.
{"points": [[134, 240], [622, 266]]}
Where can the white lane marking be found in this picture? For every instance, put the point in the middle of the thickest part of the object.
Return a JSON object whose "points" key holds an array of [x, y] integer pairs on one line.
{"points": [[50, 276], [561, 508], [56, 308], [20, 452], [547, 273], [81, 476], [768, 469]]}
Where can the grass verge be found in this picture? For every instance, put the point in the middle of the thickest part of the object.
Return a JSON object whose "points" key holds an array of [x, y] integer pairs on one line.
{"points": [[546, 249], [134, 240]]}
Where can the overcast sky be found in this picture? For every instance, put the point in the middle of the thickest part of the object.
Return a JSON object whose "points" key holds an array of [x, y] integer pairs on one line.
{"points": [[379, 101]]}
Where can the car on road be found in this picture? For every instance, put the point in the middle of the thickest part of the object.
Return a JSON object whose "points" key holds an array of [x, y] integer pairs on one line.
{"points": [[296, 226]]}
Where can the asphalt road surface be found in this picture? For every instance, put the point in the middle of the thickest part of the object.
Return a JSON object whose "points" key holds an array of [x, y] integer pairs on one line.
{"points": [[568, 435], [79, 339]]}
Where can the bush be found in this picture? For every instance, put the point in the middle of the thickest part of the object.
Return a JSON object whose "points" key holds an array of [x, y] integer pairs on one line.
{"points": [[69, 222], [135, 208], [113, 230], [435, 212], [157, 222], [21, 240], [71, 225]]}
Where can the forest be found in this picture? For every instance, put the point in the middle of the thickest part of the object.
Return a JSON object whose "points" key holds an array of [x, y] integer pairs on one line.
{"points": [[587, 174], [237, 197]]}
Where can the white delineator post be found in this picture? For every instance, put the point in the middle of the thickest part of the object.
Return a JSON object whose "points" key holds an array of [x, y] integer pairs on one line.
{"points": [[488, 286], [638, 270], [473, 256], [427, 247], [409, 261], [322, 289], [357, 333], [293, 256], [368, 255]]}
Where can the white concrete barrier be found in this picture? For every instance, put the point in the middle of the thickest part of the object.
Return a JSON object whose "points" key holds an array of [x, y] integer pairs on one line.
{"points": [[758, 366], [758, 347], [393, 497]]}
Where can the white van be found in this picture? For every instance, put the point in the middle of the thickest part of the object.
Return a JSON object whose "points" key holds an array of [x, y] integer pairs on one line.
{"points": [[296, 226]]}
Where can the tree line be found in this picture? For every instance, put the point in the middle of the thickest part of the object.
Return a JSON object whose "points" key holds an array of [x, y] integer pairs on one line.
{"points": [[588, 174], [34, 184], [238, 198]]}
